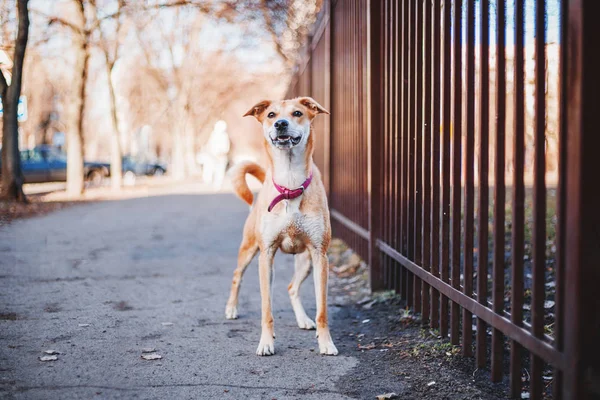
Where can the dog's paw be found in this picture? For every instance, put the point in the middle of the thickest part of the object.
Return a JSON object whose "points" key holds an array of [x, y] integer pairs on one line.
{"points": [[306, 323], [266, 348], [327, 347], [231, 312]]}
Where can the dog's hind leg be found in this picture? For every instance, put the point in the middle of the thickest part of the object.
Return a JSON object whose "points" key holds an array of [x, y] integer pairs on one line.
{"points": [[302, 270], [247, 251]]}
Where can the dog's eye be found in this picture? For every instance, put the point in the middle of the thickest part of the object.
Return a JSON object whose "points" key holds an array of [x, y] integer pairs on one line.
{"points": [[297, 114], [271, 115]]}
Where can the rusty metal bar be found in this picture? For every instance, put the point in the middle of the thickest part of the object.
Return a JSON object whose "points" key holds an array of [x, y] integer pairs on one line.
{"points": [[435, 161], [582, 219], [539, 199], [426, 157], [418, 150], [412, 50], [403, 204], [518, 196], [386, 144], [469, 167], [374, 143], [499, 190], [456, 167], [482, 239], [447, 126], [395, 132], [349, 224], [557, 384], [517, 333]]}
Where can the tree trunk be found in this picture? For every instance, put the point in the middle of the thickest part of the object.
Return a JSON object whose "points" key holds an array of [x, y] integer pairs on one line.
{"points": [[12, 176], [178, 151], [116, 153], [75, 170]]}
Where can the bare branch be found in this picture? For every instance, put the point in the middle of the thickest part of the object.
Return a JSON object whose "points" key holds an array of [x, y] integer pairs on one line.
{"points": [[269, 25], [53, 19], [23, 33]]}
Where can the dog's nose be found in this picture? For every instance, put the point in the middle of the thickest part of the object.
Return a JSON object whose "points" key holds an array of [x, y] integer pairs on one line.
{"points": [[281, 125]]}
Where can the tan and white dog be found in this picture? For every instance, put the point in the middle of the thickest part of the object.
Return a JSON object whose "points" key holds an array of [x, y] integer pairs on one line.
{"points": [[290, 214]]}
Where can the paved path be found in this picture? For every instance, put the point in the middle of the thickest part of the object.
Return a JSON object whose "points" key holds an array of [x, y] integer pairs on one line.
{"points": [[130, 269]]}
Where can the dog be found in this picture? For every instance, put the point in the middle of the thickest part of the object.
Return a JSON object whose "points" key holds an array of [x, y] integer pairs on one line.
{"points": [[290, 214]]}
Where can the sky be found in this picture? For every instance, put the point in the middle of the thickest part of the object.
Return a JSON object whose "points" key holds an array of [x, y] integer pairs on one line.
{"points": [[553, 21]]}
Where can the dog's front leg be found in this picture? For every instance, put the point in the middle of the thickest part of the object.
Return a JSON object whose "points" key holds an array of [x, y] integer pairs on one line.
{"points": [[321, 274], [266, 347]]}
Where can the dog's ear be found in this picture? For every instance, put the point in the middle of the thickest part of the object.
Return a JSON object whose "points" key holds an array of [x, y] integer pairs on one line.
{"points": [[312, 105], [258, 109]]}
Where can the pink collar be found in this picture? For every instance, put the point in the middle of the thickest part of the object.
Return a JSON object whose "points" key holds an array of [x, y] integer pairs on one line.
{"points": [[288, 194]]}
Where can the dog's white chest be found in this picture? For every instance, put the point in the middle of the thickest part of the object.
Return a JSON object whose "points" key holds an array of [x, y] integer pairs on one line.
{"points": [[291, 231]]}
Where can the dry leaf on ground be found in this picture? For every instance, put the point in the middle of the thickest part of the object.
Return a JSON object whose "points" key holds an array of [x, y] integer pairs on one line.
{"points": [[151, 356]]}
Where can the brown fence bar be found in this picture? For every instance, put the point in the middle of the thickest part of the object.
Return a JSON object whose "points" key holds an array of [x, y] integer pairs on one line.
{"points": [[375, 142], [423, 122], [418, 150], [483, 206], [581, 235], [405, 141], [435, 160], [447, 127], [539, 199], [469, 167], [518, 198], [456, 132], [499, 191], [426, 160]]}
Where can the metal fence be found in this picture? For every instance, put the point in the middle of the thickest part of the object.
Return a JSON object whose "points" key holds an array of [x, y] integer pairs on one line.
{"points": [[459, 161]]}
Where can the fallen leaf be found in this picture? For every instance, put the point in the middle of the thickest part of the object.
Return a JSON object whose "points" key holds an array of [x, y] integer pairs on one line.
{"points": [[151, 356], [148, 350], [48, 358], [51, 352], [366, 347], [387, 396], [369, 305], [83, 325]]}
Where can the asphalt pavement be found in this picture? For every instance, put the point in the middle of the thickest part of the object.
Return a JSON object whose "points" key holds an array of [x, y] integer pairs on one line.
{"points": [[100, 283]]}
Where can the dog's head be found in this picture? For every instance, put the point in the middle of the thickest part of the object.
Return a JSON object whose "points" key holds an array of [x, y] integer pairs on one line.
{"points": [[286, 123]]}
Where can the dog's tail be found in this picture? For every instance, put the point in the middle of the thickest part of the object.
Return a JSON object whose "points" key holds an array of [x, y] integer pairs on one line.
{"points": [[238, 179]]}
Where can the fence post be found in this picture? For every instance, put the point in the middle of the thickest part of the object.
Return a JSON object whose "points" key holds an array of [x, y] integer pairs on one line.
{"points": [[375, 133], [582, 222]]}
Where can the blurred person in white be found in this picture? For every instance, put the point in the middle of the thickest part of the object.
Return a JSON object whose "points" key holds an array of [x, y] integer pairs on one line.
{"points": [[218, 155]]}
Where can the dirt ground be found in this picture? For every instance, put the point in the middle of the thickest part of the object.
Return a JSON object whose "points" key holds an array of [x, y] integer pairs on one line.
{"points": [[396, 354]]}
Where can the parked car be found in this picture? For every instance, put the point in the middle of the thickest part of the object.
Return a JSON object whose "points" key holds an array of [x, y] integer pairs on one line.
{"points": [[140, 166], [49, 164]]}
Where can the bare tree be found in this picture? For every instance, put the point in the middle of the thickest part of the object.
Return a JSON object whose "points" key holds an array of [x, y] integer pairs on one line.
{"points": [[75, 134], [12, 176], [110, 50]]}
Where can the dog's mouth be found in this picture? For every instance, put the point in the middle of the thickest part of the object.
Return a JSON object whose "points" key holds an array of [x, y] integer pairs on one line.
{"points": [[286, 141]]}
